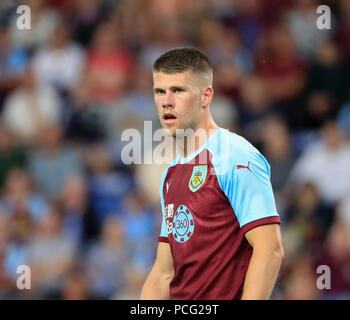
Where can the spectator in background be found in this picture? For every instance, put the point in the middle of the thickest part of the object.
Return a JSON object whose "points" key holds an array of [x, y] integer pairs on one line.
{"points": [[50, 254], [326, 165], [329, 73], [253, 108], [301, 23], [107, 186], [133, 282], [105, 262], [307, 222], [23, 209], [43, 22], [224, 112], [131, 111], [13, 61], [29, 107], [227, 48], [336, 255], [74, 287], [168, 9], [319, 108], [227, 82], [11, 155], [343, 211], [208, 32], [343, 117], [53, 161], [277, 146], [108, 65], [86, 17], [280, 66], [78, 219], [344, 26], [270, 18], [5, 283], [248, 22], [60, 62], [233, 62], [86, 123], [139, 226], [137, 104], [168, 33], [20, 197], [300, 284]]}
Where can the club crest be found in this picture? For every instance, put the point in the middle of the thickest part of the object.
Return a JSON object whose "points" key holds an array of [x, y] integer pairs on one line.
{"points": [[199, 174]]}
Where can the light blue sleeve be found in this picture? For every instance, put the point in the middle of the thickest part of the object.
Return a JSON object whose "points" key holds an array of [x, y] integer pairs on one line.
{"points": [[246, 183], [164, 229]]}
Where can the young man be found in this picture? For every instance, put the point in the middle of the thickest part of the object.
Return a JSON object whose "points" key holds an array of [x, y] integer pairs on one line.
{"points": [[220, 236]]}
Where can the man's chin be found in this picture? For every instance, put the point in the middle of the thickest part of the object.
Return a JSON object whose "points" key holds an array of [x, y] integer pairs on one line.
{"points": [[169, 131], [176, 132]]}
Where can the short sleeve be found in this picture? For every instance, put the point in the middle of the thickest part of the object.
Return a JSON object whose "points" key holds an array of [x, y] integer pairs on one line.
{"points": [[163, 237], [247, 185]]}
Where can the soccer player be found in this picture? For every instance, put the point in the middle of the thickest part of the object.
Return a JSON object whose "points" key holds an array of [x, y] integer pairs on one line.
{"points": [[220, 236]]}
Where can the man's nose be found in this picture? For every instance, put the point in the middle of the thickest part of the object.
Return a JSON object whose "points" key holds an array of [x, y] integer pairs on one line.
{"points": [[168, 101]]}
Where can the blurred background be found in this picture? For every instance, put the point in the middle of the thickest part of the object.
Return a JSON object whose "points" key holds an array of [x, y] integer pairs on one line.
{"points": [[87, 224]]}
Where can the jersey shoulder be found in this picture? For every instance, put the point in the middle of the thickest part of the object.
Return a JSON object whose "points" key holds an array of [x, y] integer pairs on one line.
{"points": [[229, 149]]}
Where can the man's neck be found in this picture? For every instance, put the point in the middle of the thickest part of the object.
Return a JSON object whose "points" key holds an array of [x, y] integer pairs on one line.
{"points": [[191, 143]]}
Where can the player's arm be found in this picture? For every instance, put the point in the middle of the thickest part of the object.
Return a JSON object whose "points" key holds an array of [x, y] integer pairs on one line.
{"points": [[157, 283], [265, 261]]}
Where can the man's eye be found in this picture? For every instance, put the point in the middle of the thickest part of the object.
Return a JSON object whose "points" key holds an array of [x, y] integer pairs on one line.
{"points": [[178, 90]]}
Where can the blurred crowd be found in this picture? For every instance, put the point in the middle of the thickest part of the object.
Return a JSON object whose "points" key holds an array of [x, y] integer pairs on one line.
{"points": [[86, 223]]}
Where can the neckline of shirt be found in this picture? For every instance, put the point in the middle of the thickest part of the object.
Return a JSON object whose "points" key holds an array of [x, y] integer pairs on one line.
{"points": [[180, 159]]}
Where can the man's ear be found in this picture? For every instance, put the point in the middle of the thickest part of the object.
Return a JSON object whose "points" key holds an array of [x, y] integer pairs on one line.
{"points": [[207, 96]]}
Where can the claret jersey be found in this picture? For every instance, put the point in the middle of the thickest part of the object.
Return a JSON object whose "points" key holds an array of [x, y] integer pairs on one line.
{"points": [[209, 201]]}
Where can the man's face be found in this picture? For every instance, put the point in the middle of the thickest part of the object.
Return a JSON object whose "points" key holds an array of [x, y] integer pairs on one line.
{"points": [[178, 97]]}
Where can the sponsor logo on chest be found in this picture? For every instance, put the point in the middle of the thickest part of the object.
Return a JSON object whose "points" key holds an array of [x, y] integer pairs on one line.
{"points": [[181, 224]]}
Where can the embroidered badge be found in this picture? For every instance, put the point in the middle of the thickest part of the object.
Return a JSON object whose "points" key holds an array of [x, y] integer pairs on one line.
{"points": [[199, 174]]}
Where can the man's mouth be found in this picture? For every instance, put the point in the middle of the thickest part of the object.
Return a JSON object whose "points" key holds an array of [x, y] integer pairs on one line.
{"points": [[169, 118]]}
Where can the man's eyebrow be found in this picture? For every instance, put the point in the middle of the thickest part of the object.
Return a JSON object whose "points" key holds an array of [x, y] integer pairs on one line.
{"points": [[177, 87], [156, 89]]}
